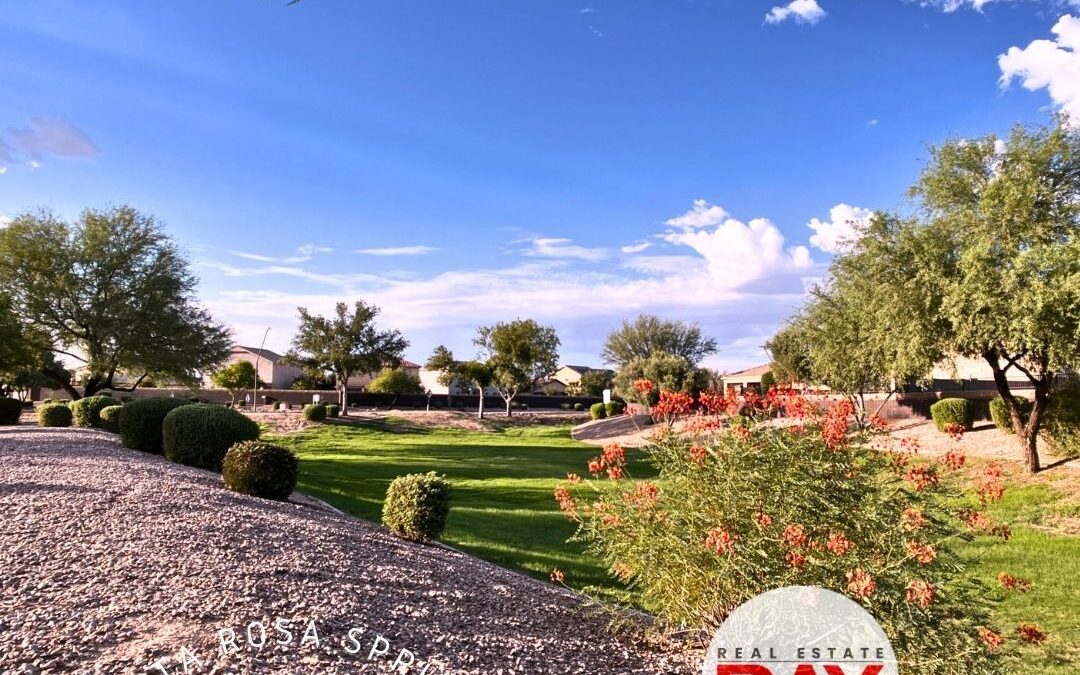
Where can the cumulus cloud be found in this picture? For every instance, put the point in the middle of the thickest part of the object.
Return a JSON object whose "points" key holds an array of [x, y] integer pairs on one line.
{"points": [[1053, 65], [4, 220], [397, 250], [44, 137], [701, 214], [844, 225], [552, 247], [800, 11]]}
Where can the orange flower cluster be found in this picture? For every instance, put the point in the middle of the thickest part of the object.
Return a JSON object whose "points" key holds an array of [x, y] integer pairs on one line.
{"points": [[795, 560], [762, 519], [921, 477], [794, 535], [990, 489], [860, 583], [955, 431], [982, 523], [720, 541], [912, 519], [716, 403], [673, 404], [643, 386], [698, 453], [835, 427], [992, 640], [838, 544], [1029, 632], [644, 496], [953, 459], [566, 503], [557, 576], [921, 551], [920, 592], [612, 461], [1013, 583], [572, 478]]}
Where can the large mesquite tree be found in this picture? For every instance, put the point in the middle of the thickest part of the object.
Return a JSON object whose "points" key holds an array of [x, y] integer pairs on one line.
{"points": [[110, 290], [989, 267], [345, 344]]}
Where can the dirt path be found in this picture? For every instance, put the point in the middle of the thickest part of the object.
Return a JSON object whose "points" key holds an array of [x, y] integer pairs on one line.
{"points": [[111, 559]]}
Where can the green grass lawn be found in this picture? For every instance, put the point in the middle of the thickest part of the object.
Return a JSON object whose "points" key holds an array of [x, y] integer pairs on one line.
{"points": [[503, 511]]}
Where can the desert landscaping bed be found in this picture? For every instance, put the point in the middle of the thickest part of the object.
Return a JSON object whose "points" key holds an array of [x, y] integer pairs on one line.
{"points": [[111, 560]]}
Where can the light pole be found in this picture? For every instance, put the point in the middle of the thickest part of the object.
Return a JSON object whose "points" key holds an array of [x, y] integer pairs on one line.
{"points": [[258, 354]]}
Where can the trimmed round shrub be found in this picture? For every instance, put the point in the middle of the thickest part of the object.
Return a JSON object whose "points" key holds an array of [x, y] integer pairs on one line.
{"points": [[417, 506], [953, 411], [598, 411], [316, 412], [260, 469], [10, 409], [54, 415], [333, 410], [140, 425], [579, 407], [564, 406], [200, 434], [614, 408], [110, 418], [999, 413], [87, 411]]}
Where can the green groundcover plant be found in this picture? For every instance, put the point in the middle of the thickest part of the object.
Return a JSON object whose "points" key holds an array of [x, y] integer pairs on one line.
{"points": [[740, 509]]}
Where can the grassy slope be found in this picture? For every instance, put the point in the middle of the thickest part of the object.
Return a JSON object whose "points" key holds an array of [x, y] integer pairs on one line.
{"points": [[504, 512], [503, 508]]}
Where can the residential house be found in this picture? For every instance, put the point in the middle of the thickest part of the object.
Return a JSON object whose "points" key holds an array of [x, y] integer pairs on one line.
{"points": [[268, 365], [744, 379], [429, 379], [564, 379]]}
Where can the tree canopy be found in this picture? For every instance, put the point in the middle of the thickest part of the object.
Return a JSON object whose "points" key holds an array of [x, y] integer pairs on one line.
{"points": [[395, 381], [236, 378], [988, 267], [519, 353], [110, 290], [345, 344], [477, 373], [649, 335]]}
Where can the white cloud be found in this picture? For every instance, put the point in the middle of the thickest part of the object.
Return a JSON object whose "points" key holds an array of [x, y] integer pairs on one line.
{"points": [[701, 214], [844, 224], [872, 123], [801, 11], [666, 264], [738, 253], [4, 220], [311, 249], [307, 252], [950, 6], [1050, 64], [636, 248], [3, 170], [551, 247], [397, 250], [43, 137]]}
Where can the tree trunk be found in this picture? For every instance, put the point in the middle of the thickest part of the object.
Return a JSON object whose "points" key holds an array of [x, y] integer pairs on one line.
{"points": [[62, 383], [1028, 435], [343, 398], [508, 413], [480, 414]]}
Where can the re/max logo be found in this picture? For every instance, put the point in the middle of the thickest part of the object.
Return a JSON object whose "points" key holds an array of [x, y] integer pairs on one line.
{"points": [[799, 669]]}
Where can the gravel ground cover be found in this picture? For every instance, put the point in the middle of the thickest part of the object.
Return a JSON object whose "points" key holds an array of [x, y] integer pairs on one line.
{"points": [[113, 560]]}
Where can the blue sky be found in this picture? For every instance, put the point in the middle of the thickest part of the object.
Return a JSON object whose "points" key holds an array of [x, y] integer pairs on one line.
{"points": [[459, 163]]}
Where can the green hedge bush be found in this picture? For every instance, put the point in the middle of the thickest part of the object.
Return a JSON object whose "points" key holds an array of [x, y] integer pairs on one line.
{"points": [[260, 469], [614, 408], [316, 412], [333, 410], [10, 409], [598, 411], [953, 411], [140, 425], [579, 407], [999, 412], [87, 411], [54, 415], [1062, 422], [110, 418], [200, 434], [417, 506]]}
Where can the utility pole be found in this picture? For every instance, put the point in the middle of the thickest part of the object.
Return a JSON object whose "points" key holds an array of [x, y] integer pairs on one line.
{"points": [[255, 391]]}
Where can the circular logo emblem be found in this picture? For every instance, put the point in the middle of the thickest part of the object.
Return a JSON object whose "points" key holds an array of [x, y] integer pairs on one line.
{"points": [[800, 630]]}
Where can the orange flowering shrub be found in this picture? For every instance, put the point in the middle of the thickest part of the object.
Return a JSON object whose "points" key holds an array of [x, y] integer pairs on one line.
{"points": [[746, 504]]}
